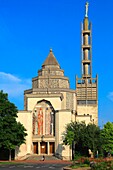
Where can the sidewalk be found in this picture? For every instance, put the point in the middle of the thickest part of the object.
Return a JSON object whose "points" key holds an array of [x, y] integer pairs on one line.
{"points": [[45, 161], [39, 162], [37, 159]]}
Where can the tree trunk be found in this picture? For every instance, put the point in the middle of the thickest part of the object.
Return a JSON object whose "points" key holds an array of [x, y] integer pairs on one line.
{"points": [[73, 149], [9, 154]]}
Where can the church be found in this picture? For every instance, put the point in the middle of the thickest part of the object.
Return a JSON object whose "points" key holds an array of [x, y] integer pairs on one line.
{"points": [[50, 104]]}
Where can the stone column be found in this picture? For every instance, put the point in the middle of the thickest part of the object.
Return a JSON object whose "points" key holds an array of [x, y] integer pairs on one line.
{"points": [[48, 148], [38, 148]]}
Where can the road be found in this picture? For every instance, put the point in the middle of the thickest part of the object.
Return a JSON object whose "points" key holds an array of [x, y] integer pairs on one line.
{"points": [[33, 166]]}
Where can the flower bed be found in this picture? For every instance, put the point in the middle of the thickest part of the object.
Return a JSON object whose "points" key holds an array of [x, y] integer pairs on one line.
{"points": [[92, 164]]}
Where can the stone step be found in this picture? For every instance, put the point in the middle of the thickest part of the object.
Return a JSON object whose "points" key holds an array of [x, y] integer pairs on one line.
{"points": [[39, 157]]}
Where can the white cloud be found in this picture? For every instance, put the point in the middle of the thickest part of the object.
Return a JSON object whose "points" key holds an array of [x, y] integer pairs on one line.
{"points": [[110, 96], [13, 85], [8, 76]]}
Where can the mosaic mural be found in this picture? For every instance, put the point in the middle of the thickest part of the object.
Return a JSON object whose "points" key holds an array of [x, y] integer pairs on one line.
{"points": [[43, 119]]}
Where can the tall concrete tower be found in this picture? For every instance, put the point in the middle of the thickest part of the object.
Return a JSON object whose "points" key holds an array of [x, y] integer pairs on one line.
{"points": [[86, 86]]}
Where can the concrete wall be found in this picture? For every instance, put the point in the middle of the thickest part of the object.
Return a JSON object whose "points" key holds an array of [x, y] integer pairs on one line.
{"points": [[86, 119], [26, 119], [62, 119], [56, 102], [88, 110]]}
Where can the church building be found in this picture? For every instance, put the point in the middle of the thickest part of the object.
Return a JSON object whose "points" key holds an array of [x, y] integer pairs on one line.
{"points": [[50, 104]]}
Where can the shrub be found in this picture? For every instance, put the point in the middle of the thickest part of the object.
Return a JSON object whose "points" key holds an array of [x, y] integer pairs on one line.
{"points": [[86, 161], [102, 166], [77, 156]]}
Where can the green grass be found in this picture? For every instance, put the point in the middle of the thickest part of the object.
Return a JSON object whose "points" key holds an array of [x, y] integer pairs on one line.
{"points": [[79, 165]]}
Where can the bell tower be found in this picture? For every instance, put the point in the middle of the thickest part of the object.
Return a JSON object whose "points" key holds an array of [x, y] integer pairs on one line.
{"points": [[86, 86], [86, 45]]}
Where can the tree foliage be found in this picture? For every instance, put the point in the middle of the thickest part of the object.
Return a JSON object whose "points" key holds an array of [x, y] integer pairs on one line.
{"points": [[84, 137], [73, 132], [12, 133], [92, 137], [107, 137]]}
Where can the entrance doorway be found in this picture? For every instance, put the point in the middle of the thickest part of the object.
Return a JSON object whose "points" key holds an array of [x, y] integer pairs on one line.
{"points": [[43, 147], [35, 147], [51, 147]]}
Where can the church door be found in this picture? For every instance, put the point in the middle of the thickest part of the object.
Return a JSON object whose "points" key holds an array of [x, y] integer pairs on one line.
{"points": [[35, 147], [51, 146], [43, 147]]}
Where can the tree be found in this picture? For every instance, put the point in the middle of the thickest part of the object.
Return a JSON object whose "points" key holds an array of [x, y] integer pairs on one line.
{"points": [[92, 138], [107, 137], [84, 137], [74, 133], [12, 133]]}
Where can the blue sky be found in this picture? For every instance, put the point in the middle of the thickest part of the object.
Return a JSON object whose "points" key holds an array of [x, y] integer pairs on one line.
{"points": [[29, 28]]}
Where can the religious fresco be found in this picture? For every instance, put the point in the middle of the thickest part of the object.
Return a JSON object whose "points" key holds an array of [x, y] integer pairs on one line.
{"points": [[40, 121], [43, 119], [47, 122]]}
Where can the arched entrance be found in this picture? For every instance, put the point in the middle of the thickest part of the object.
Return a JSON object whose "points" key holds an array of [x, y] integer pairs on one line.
{"points": [[43, 121]]}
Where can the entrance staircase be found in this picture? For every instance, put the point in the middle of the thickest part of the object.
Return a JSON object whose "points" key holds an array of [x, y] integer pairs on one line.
{"points": [[39, 157]]}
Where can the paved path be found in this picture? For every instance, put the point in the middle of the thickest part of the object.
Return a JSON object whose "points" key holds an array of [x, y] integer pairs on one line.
{"points": [[35, 166], [34, 163]]}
